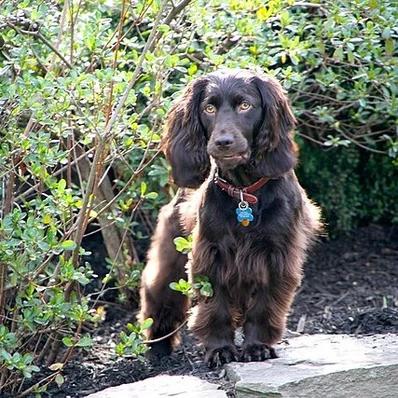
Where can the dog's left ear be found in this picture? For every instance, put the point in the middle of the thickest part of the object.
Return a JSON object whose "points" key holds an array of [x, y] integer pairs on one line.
{"points": [[275, 151]]}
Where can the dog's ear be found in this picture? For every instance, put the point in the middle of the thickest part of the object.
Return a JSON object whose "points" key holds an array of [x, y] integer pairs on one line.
{"points": [[185, 142], [275, 151]]}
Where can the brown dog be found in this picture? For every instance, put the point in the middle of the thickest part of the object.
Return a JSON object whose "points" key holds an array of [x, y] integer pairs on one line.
{"points": [[229, 142]]}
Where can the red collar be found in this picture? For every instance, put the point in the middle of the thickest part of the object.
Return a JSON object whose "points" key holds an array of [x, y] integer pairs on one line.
{"points": [[245, 193]]}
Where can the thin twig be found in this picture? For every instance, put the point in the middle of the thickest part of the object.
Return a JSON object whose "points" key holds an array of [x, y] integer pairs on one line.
{"points": [[59, 171], [47, 381], [167, 335], [43, 39]]}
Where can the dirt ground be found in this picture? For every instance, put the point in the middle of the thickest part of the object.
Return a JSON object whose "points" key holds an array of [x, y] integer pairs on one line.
{"points": [[350, 286]]}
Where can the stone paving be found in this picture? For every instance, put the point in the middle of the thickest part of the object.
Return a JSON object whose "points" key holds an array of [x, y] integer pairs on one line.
{"points": [[324, 366], [164, 386]]}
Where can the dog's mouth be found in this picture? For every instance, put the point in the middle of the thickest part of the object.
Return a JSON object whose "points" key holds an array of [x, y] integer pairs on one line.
{"points": [[232, 160], [236, 157]]}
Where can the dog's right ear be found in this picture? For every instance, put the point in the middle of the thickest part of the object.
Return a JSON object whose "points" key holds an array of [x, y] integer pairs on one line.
{"points": [[184, 142]]}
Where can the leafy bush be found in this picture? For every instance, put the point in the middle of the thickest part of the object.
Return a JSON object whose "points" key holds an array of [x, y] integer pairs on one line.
{"points": [[84, 88], [353, 187], [332, 178], [338, 62], [81, 91]]}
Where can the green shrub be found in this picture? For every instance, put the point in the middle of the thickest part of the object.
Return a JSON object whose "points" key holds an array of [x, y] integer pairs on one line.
{"points": [[333, 181], [379, 181], [352, 187], [81, 95], [338, 62]]}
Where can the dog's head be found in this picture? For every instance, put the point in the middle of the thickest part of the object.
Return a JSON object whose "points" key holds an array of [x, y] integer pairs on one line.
{"points": [[235, 116]]}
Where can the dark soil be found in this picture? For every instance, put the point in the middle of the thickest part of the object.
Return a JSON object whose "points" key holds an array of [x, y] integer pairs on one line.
{"points": [[350, 286]]}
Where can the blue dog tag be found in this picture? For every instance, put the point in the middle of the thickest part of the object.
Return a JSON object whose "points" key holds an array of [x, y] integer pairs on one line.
{"points": [[244, 213]]}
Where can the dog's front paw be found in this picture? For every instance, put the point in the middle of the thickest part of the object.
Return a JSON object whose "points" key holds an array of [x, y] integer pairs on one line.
{"points": [[257, 352], [218, 356], [159, 350]]}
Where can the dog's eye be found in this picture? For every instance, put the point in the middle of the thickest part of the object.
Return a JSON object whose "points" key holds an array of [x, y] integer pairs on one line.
{"points": [[244, 106], [210, 108]]}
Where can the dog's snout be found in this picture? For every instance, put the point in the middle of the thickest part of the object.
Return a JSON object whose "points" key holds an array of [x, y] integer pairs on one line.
{"points": [[224, 141]]}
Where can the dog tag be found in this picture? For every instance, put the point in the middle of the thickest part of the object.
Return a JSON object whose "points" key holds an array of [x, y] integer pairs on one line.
{"points": [[244, 213]]}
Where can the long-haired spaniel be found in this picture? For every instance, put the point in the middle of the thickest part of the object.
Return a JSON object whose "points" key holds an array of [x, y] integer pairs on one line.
{"points": [[229, 142]]}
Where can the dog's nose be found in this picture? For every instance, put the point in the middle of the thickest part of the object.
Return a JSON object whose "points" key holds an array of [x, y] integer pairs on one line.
{"points": [[224, 141]]}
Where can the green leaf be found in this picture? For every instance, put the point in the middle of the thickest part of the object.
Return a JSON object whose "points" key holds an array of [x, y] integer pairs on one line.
{"points": [[338, 54], [47, 219], [284, 18], [183, 245], [204, 286], [61, 185], [390, 46], [68, 341], [147, 323], [68, 245], [294, 58], [85, 341], [163, 28], [59, 379], [182, 286], [106, 279], [192, 69], [263, 14], [151, 195], [119, 349], [143, 188], [386, 33], [5, 355], [128, 142], [373, 4], [81, 278], [34, 368], [171, 61], [26, 373], [206, 290]]}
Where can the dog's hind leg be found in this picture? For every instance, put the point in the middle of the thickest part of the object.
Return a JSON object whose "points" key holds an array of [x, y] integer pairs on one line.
{"points": [[165, 264]]}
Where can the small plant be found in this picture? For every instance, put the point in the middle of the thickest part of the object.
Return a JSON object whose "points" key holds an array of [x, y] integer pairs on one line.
{"points": [[183, 245], [132, 342], [201, 284], [183, 287]]}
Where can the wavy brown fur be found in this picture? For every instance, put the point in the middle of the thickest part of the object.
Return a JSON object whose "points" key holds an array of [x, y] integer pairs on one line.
{"points": [[254, 270]]}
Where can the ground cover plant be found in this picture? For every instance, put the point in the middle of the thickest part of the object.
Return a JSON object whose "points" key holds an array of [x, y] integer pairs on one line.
{"points": [[84, 88]]}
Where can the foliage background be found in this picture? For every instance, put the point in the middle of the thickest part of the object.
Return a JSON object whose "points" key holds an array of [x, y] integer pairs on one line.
{"points": [[84, 89]]}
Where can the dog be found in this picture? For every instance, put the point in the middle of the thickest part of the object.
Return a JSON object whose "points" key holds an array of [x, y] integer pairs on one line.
{"points": [[229, 142]]}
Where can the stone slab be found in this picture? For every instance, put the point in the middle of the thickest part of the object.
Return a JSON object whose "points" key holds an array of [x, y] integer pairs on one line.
{"points": [[325, 366], [164, 386]]}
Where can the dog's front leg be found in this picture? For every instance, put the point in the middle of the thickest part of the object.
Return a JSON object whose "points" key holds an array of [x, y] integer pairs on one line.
{"points": [[213, 325], [262, 327], [211, 321], [266, 319]]}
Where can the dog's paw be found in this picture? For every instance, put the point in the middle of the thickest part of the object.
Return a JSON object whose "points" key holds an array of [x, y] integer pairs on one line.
{"points": [[257, 352], [216, 357], [159, 350]]}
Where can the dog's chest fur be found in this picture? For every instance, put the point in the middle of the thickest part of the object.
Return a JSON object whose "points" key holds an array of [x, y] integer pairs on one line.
{"points": [[241, 256]]}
